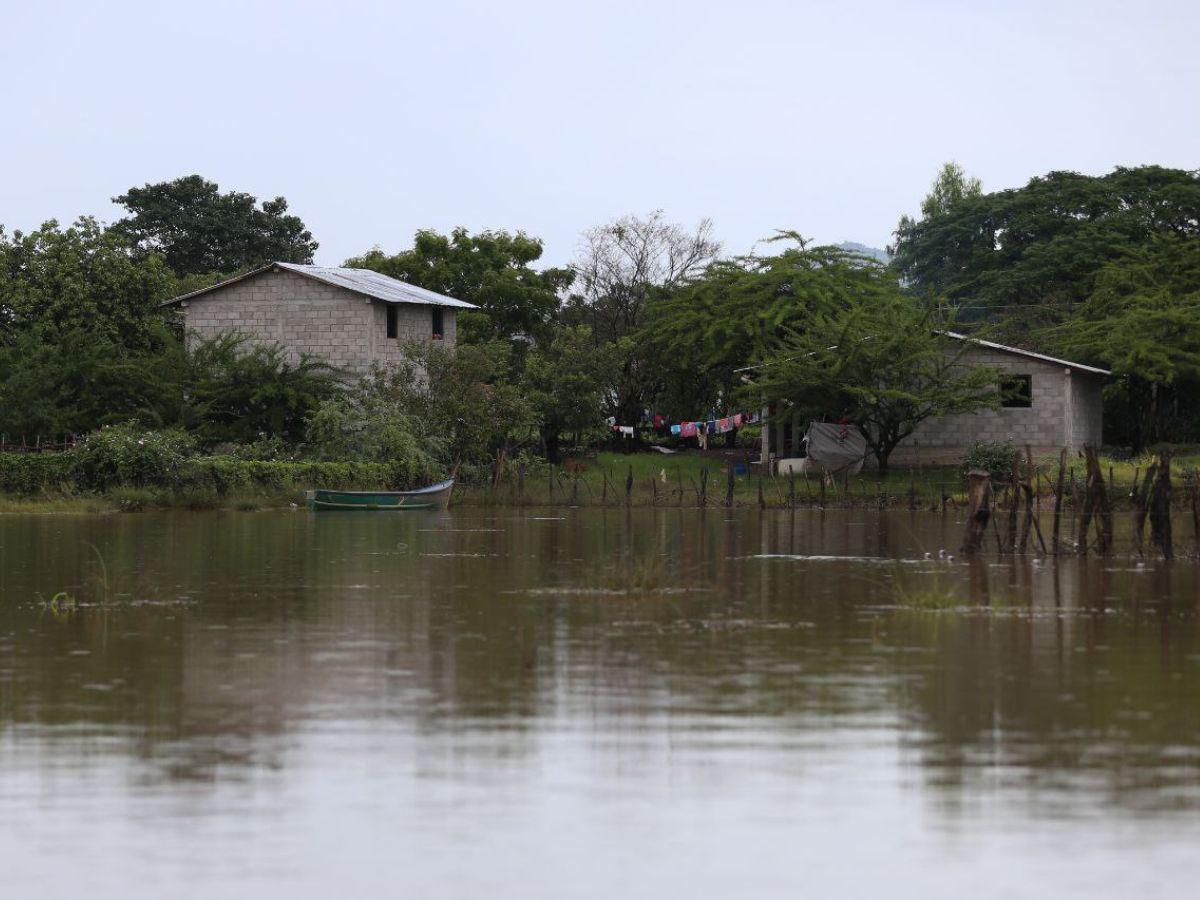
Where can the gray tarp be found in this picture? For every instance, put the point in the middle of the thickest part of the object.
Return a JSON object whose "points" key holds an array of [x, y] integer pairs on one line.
{"points": [[831, 447], [835, 447]]}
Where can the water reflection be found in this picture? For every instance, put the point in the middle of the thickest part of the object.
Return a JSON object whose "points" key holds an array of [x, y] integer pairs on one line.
{"points": [[634, 655]]}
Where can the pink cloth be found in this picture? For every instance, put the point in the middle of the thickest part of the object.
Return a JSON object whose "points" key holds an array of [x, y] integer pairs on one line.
{"points": [[737, 421], [687, 429]]}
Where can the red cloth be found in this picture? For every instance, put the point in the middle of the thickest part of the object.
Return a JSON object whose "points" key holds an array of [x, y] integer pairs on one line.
{"points": [[687, 429]]}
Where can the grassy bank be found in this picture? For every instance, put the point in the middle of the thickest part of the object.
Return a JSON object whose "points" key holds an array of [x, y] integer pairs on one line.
{"points": [[45, 484]]}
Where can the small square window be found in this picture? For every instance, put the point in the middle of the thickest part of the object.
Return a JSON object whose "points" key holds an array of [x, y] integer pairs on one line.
{"points": [[438, 323], [1016, 391], [392, 322]]}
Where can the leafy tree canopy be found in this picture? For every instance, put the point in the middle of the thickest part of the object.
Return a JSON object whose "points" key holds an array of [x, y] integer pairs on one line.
{"points": [[200, 230], [881, 361], [565, 384], [733, 313], [492, 269], [81, 278], [1042, 247], [1143, 322]]}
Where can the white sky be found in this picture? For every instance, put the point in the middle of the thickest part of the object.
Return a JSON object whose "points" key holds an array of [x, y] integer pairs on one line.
{"points": [[377, 118]]}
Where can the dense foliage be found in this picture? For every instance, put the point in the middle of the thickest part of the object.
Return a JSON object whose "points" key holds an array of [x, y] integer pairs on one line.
{"points": [[1031, 253], [198, 230], [649, 318], [492, 269]]}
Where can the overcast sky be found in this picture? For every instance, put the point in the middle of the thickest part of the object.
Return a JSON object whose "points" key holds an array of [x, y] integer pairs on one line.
{"points": [[378, 118]]}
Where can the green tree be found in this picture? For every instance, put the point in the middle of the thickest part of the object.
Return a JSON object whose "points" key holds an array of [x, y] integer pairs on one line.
{"points": [[564, 381], [492, 269], [81, 278], [703, 332], [200, 230], [883, 362], [1030, 254], [240, 393], [621, 267], [1142, 321], [74, 381], [466, 397]]}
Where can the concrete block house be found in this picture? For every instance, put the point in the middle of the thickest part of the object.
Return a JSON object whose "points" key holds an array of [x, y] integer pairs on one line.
{"points": [[351, 318], [1048, 404]]}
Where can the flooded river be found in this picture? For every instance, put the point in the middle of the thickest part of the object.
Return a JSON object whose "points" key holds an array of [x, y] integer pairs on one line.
{"points": [[586, 703]]}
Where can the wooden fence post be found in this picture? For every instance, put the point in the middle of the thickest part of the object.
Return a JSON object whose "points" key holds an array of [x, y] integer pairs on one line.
{"points": [[979, 509], [1160, 507]]}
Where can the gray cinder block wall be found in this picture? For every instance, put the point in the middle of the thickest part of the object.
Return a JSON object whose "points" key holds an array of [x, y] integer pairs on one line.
{"points": [[1066, 412], [304, 315]]}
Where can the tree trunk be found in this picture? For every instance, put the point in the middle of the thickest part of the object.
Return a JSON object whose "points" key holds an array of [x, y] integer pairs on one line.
{"points": [[553, 451]]}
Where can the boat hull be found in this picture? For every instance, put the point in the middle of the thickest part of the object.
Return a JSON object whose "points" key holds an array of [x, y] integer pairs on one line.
{"points": [[436, 496]]}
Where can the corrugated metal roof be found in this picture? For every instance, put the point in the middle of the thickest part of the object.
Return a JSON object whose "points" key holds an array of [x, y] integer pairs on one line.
{"points": [[1003, 348], [1017, 351], [375, 284], [361, 281]]}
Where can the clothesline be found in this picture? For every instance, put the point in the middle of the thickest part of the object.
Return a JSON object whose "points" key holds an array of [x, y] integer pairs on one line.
{"points": [[692, 428]]}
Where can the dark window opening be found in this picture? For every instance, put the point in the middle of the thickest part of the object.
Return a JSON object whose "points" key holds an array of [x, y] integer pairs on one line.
{"points": [[438, 323], [392, 327], [1016, 391]]}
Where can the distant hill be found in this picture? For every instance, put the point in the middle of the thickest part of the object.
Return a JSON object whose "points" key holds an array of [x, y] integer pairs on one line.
{"points": [[853, 246]]}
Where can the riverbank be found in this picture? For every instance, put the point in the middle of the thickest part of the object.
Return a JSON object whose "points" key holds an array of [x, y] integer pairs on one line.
{"points": [[688, 480]]}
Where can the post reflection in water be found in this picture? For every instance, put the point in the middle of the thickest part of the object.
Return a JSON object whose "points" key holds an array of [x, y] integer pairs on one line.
{"points": [[586, 703]]}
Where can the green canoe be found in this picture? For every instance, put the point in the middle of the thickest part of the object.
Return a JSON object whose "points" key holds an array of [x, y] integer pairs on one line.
{"points": [[436, 496]]}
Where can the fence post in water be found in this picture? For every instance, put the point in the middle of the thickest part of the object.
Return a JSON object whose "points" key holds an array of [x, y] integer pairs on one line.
{"points": [[729, 486], [979, 512], [575, 489], [792, 489], [629, 486], [1194, 495], [1014, 503], [521, 482], [1160, 506], [1058, 498], [1095, 501], [703, 495], [1141, 506], [762, 502]]}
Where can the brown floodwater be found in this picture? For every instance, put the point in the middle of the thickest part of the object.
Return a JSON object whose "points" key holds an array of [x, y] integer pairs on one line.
{"points": [[587, 703]]}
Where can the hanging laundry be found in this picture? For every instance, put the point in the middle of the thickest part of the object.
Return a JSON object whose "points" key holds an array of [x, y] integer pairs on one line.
{"points": [[737, 420], [687, 429], [676, 429], [723, 426], [658, 421], [626, 430], [710, 426]]}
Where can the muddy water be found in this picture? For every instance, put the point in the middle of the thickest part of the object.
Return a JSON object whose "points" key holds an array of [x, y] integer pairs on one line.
{"points": [[586, 704]]}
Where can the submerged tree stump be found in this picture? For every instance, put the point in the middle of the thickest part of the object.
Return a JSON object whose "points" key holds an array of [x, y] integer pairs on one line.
{"points": [[979, 509], [1095, 503], [1160, 507]]}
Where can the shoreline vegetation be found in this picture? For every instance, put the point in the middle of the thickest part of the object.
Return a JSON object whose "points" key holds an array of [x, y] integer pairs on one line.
{"points": [[50, 483]]}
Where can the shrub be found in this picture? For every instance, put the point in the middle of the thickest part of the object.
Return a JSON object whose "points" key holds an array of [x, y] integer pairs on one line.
{"points": [[368, 429], [129, 455], [994, 457], [30, 473]]}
